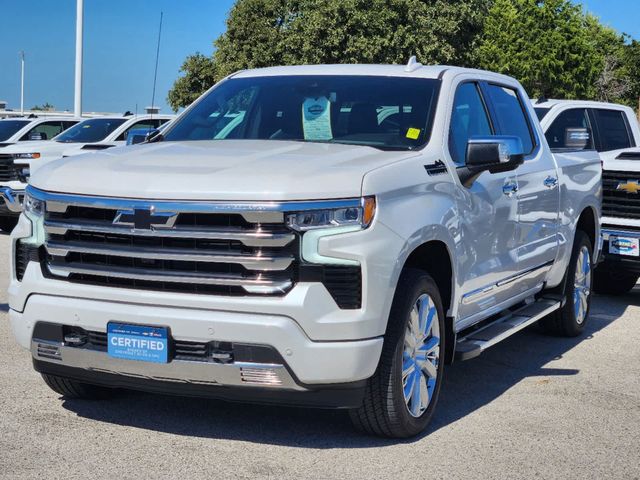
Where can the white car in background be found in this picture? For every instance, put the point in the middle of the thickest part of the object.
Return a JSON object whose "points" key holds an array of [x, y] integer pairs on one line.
{"points": [[18, 161], [24, 129]]}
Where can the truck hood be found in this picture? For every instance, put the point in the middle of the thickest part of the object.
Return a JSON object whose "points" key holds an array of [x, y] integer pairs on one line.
{"points": [[242, 170], [627, 160]]}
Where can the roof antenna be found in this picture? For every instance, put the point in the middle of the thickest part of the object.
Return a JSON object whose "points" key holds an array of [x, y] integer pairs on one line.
{"points": [[412, 64], [155, 74]]}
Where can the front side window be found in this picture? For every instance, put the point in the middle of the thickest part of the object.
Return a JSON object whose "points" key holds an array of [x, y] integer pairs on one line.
{"points": [[90, 131], [381, 112], [570, 130], [510, 115], [468, 119], [8, 128], [612, 130], [44, 131]]}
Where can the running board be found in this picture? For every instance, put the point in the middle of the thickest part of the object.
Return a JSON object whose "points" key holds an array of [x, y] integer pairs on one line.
{"points": [[474, 343]]}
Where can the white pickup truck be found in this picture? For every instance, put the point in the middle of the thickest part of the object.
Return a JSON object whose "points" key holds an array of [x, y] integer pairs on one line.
{"points": [[326, 236], [19, 161], [612, 130]]}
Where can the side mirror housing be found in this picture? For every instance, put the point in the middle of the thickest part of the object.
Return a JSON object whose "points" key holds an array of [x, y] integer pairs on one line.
{"points": [[37, 136], [140, 136], [497, 153], [577, 138]]}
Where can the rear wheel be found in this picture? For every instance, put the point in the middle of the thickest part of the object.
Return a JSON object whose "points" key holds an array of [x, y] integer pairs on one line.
{"points": [[401, 396], [571, 319], [72, 389], [609, 283], [7, 224]]}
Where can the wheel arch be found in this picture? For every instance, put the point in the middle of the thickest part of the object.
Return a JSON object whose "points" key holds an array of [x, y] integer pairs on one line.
{"points": [[588, 223], [435, 258]]}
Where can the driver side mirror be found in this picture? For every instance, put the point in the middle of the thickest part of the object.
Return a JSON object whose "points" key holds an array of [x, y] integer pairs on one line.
{"points": [[496, 153], [140, 136]]}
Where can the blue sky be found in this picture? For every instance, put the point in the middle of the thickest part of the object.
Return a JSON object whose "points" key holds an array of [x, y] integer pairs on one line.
{"points": [[120, 43]]}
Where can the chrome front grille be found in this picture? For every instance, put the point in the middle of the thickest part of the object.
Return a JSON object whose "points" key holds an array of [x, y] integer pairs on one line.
{"points": [[190, 247], [8, 170], [616, 201]]}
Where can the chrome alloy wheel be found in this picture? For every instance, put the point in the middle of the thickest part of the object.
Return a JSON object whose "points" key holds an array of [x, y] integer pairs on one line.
{"points": [[582, 285], [421, 355]]}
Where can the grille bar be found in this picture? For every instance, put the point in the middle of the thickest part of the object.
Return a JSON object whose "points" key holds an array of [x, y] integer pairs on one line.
{"points": [[251, 262], [253, 284], [617, 202], [250, 238]]}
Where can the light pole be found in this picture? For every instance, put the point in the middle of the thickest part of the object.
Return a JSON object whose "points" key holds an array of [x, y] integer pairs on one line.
{"points": [[21, 82], [77, 103]]}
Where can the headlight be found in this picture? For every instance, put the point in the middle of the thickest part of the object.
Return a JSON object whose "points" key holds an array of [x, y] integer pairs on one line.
{"points": [[355, 216], [34, 209], [33, 206], [26, 156]]}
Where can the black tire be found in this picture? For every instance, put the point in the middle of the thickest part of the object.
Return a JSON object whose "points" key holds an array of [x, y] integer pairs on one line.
{"points": [[564, 322], [384, 411], [72, 389], [7, 224], [609, 283]]}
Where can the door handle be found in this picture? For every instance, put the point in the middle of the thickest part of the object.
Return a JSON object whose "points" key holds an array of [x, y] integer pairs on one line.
{"points": [[550, 182], [509, 188]]}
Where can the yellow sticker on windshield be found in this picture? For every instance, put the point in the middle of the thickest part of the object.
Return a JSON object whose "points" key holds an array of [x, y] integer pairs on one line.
{"points": [[413, 133]]}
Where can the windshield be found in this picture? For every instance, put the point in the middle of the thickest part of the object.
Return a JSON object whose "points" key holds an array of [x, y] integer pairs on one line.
{"points": [[90, 131], [9, 127], [382, 112], [541, 112]]}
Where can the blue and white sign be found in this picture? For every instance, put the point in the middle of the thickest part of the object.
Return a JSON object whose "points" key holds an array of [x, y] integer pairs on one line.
{"points": [[137, 342], [624, 246]]}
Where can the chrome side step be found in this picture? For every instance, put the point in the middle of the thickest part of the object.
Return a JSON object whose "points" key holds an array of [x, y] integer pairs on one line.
{"points": [[474, 343]]}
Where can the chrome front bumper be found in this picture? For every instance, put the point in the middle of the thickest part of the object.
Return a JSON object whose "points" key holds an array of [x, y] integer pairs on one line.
{"points": [[12, 199], [176, 371]]}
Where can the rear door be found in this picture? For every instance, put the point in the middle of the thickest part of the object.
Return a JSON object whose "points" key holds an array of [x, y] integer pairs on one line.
{"points": [[538, 190]]}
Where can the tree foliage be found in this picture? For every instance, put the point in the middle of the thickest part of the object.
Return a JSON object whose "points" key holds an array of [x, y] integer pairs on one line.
{"points": [[199, 75], [263, 33], [552, 46], [45, 107], [548, 45]]}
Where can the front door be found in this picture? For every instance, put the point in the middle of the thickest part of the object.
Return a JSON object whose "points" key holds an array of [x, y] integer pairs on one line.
{"points": [[489, 211], [538, 191]]}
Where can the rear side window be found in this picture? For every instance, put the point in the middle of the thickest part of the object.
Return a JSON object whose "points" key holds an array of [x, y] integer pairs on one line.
{"points": [[613, 133], [510, 114], [568, 130], [468, 119]]}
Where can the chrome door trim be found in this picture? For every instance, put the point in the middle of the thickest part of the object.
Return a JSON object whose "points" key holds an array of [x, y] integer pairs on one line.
{"points": [[478, 293]]}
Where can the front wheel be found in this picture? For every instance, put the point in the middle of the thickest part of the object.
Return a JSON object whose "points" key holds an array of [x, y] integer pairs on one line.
{"points": [[401, 396], [571, 319], [69, 388]]}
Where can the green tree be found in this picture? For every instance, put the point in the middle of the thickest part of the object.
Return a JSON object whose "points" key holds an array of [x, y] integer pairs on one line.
{"points": [[262, 33], [45, 107], [631, 67], [199, 75], [547, 44]]}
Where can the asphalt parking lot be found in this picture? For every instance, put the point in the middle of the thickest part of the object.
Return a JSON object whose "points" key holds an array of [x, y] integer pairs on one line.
{"points": [[533, 406]]}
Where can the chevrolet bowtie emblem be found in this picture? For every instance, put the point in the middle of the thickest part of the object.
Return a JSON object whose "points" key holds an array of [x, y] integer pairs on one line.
{"points": [[145, 218], [630, 186]]}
